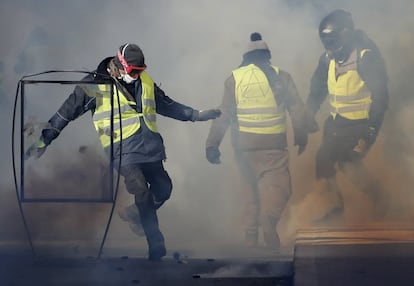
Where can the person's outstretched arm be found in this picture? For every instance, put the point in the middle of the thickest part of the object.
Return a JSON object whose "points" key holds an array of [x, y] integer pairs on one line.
{"points": [[173, 109]]}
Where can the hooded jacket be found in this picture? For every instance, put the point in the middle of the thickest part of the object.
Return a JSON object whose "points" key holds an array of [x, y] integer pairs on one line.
{"points": [[371, 68], [142, 147]]}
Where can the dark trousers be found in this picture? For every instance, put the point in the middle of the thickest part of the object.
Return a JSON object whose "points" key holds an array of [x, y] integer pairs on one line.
{"points": [[340, 136], [338, 151], [149, 182]]}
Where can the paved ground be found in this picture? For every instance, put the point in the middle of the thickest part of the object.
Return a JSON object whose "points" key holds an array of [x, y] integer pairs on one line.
{"points": [[362, 255], [22, 270]]}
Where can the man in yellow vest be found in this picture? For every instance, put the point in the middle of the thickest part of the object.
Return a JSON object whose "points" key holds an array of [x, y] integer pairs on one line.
{"points": [[134, 132], [352, 74], [257, 95]]}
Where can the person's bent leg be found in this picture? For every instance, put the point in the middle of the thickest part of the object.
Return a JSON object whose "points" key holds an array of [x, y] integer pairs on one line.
{"points": [[136, 184], [326, 159], [160, 184], [357, 173]]}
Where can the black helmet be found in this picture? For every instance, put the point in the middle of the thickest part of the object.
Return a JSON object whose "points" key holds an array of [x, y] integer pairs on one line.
{"points": [[334, 30]]}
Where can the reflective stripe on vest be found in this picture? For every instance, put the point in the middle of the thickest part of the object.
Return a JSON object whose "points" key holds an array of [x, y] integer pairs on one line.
{"points": [[125, 111], [348, 94], [257, 109]]}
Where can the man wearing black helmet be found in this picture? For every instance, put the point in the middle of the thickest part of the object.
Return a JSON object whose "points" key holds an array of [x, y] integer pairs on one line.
{"points": [[137, 137], [256, 99], [352, 74]]}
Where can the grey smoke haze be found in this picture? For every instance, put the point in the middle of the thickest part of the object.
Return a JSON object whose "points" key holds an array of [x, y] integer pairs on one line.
{"points": [[190, 48]]}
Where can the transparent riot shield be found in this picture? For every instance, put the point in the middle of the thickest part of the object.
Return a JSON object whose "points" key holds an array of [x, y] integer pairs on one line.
{"points": [[74, 168]]}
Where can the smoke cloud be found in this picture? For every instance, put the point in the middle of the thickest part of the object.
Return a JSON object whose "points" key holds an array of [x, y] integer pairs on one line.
{"points": [[190, 48]]}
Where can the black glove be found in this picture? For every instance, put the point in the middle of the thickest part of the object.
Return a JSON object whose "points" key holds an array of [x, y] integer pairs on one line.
{"points": [[301, 140], [366, 141], [204, 115], [36, 149], [371, 135], [311, 124], [213, 155]]}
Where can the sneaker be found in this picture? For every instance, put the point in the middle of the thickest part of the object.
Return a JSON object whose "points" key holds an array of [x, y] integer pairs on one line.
{"points": [[130, 214], [137, 229]]}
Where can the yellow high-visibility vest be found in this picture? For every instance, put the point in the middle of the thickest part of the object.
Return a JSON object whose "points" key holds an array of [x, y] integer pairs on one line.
{"points": [[125, 110], [257, 109], [348, 94]]}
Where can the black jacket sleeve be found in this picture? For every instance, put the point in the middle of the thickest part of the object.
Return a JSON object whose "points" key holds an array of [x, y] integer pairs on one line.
{"points": [[372, 70], [318, 86], [170, 108]]}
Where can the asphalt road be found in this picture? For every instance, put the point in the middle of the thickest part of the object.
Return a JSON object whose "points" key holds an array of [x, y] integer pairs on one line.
{"points": [[360, 255]]}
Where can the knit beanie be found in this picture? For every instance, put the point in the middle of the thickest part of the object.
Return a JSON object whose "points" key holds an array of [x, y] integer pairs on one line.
{"points": [[132, 54], [256, 43]]}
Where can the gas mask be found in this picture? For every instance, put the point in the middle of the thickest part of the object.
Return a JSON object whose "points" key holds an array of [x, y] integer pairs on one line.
{"points": [[127, 78], [114, 72]]}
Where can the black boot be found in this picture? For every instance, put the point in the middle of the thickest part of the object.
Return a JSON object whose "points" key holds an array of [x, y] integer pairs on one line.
{"points": [[149, 221]]}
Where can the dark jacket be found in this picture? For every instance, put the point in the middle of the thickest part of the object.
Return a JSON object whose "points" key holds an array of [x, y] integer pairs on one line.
{"points": [[145, 145], [251, 141], [372, 70]]}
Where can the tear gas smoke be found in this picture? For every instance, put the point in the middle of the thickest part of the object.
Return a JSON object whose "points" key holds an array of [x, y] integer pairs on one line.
{"points": [[190, 48]]}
